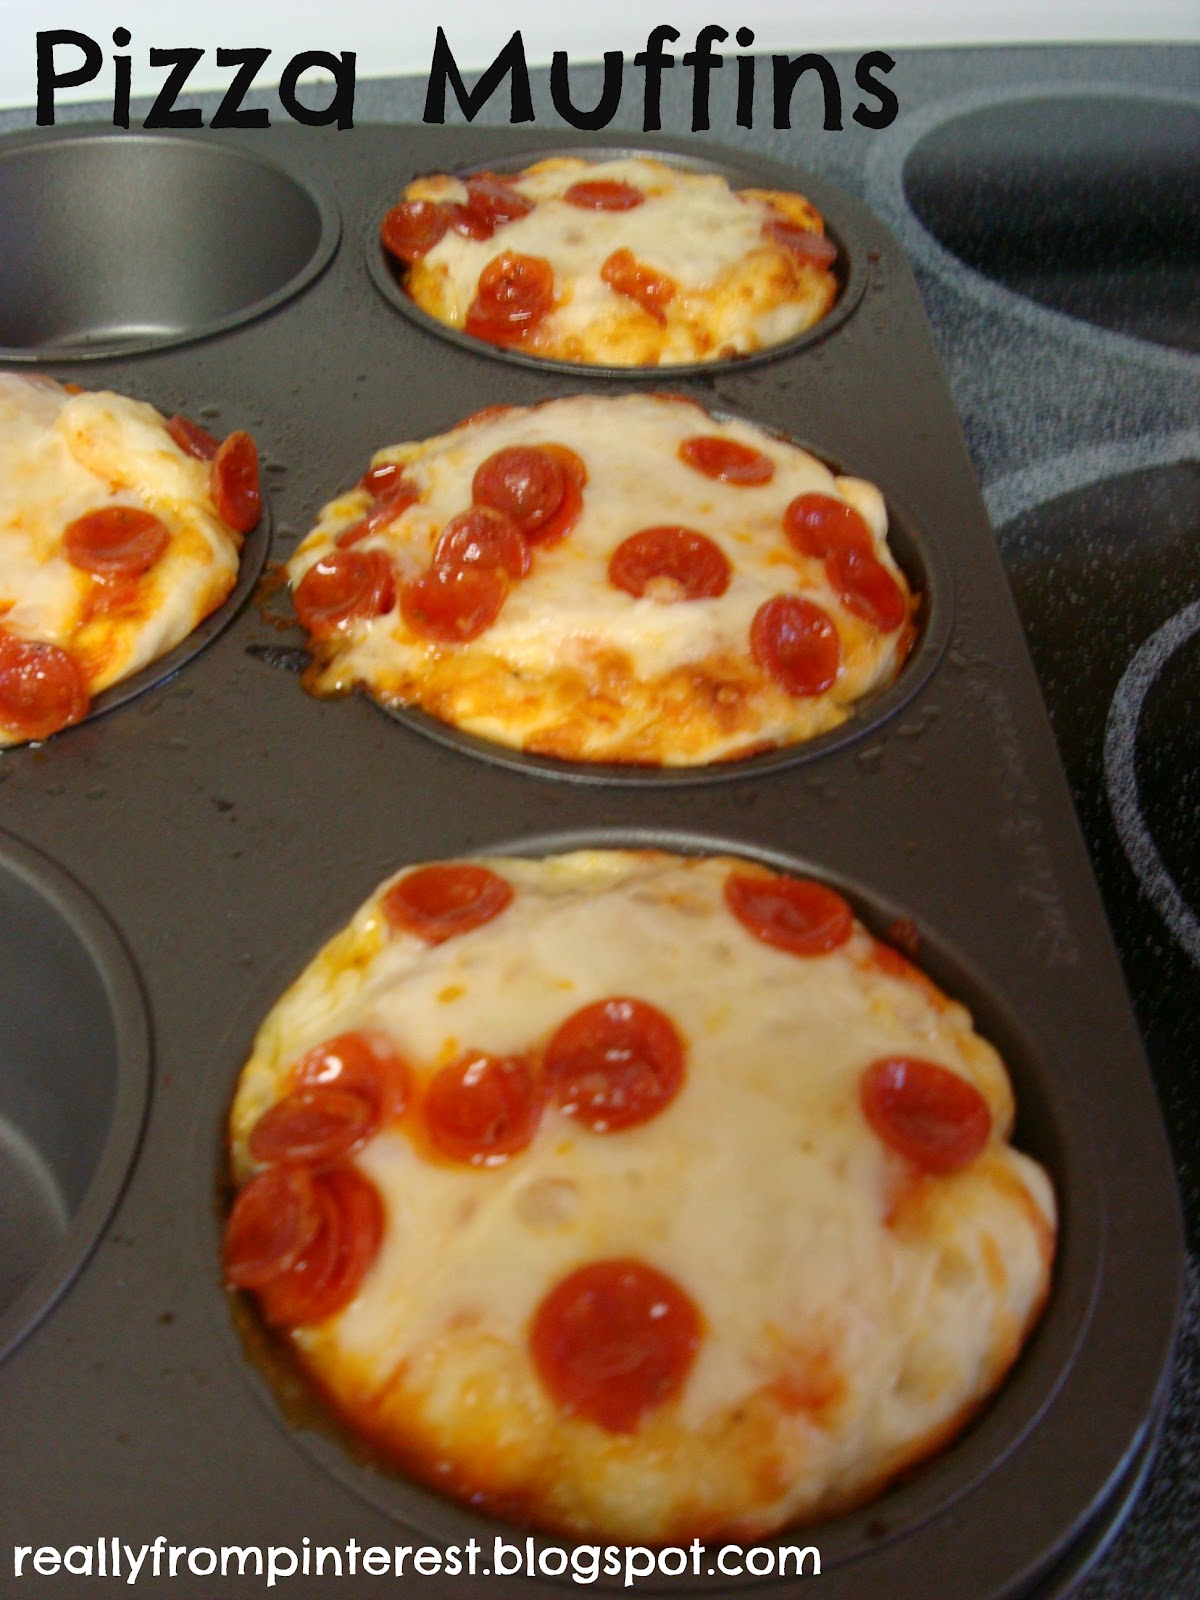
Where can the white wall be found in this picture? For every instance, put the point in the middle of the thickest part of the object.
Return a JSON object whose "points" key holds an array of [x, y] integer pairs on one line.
{"points": [[398, 38]]}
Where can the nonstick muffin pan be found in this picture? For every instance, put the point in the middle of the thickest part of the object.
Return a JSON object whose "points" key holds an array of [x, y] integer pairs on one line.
{"points": [[227, 824]]}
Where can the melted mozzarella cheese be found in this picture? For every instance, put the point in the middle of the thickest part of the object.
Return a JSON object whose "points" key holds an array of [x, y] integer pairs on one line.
{"points": [[63, 456], [735, 290], [850, 1318], [641, 677]]}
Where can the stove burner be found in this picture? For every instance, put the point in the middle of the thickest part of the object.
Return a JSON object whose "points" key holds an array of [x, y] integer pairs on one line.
{"points": [[1120, 770]]}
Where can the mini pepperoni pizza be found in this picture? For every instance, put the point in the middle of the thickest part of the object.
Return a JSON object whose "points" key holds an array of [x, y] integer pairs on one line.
{"points": [[634, 1196], [623, 579], [120, 532], [629, 263]]}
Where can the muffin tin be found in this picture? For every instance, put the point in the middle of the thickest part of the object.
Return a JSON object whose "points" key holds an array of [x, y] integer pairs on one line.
{"points": [[227, 824]]}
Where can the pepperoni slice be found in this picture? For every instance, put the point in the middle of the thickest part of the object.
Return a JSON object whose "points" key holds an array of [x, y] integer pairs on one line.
{"points": [[793, 914], [727, 460], [524, 481], [482, 537], [803, 243], [614, 1340], [796, 643], [233, 482], [393, 496], [116, 541], [571, 463], [604, 194], [345, 586], [445, 899], [314, 1125], [378, 480], [926, 1112], [626, 275], [481, 1109], [819, 525], [191, 438], [865, 586], [515, 292], [614, 1064], [274, 1220], [560, 522], [329, 1272], [495, 201], [685, 564], [42, 688], [364, 1063], [453, 605], [411, 230]]}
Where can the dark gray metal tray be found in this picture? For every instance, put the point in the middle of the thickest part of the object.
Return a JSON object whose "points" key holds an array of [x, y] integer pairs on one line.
{"points": [[228, 824]]}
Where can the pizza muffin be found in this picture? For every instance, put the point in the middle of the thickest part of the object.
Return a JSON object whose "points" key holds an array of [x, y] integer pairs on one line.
{"points": [[634, 1196], [120, 532], [624, 263], [622, 579]]}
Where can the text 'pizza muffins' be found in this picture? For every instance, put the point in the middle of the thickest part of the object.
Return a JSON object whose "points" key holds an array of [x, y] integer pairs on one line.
{"points": [[624, 263], [120, 531], [620, 579], [634, 1196]]}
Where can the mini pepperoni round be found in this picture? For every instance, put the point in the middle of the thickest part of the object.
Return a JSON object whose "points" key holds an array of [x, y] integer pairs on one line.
{"points": [[345, 586], [233, 482], [482, 1109], [42, 688], [273, 1221], [926, 1112], [330, 1271], [192, 439], [727, 460], [523, 481], [482, 537], [865, 586], [515, 292], [381, 479], [116, 542], [411, 230], [571, 463], [445, 899], [453, 605], [604, 194], [614, 1340], [816, 249], [818, 525], [364, 1062], [680, 563], [314, 1125], [614, 1064], [392, 497], [626, 275], [793, 914], [796, 643], [495, 200], [560, 522]]}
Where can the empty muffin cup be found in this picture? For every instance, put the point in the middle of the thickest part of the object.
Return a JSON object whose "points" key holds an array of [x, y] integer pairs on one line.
{"points": [[74, 1069], [116, 244]]}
